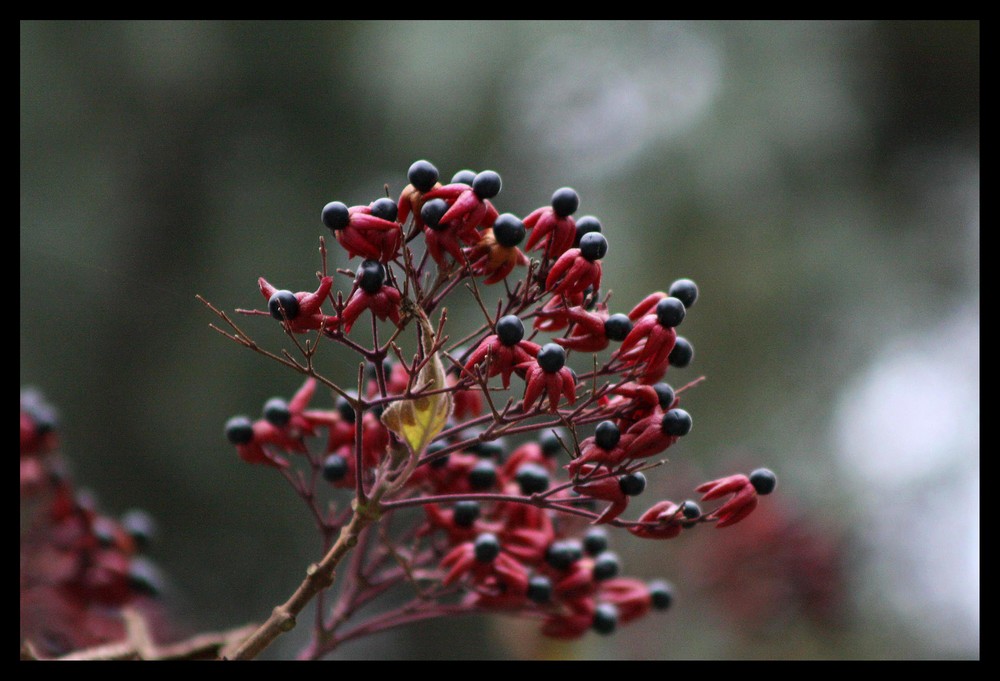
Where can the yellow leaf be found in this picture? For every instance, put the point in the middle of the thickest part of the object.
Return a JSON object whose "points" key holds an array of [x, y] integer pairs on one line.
{"points": [[418, 421]]}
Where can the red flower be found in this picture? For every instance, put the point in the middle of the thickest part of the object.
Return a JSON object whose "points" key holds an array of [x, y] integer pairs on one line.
{"points": [[573, 273], [483, 560], [647, 437], [573, 622], [371, 293], [266, 438], [548, 374], [468, 403], [503, 356], [384, 304], [412, 200], [526, 544], [555, 314], [646, 306], [667, 516], [591, 331], [446, 238], [742, 504], [308, 316], [361, 233], [529, 452], [468, 204], [606, 489], [576, 582], [550, 230], [637, 401], [493, 260], [648, 346], [631, 596], [592, 454]]}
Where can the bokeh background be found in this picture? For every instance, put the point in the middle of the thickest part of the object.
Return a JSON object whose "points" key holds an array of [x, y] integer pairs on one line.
{"points": [[820, 181]]}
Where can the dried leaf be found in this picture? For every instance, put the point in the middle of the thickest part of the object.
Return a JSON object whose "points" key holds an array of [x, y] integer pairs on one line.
{"points": [[418, 421]]}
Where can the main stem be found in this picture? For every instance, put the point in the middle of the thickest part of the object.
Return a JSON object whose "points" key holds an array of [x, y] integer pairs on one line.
{"points": [[319, 576]]}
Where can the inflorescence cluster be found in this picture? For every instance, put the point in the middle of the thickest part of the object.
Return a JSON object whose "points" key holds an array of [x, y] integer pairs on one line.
{"points": [[481, 491]]}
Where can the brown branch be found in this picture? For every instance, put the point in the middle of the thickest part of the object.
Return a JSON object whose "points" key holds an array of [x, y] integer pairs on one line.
{"points": [[319, 576], [139, 645]]}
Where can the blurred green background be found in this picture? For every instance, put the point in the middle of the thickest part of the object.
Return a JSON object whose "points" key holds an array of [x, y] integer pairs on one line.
{"points": [[820, 182]]}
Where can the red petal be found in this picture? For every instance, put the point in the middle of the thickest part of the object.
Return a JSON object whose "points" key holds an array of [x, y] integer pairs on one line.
{"points": [[265, 288], [646, 305], [302, 397], [363, 222], [464, 204], [718, 488]]}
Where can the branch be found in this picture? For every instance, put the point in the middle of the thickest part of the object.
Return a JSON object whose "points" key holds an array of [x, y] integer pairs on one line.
{"points": [[139, 645], [319, 576]]}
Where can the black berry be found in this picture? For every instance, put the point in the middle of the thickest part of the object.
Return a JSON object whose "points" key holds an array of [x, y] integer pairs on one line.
{"points": [[239, 430], [532, 478], [685, 291], [464, 177], [346, 410], [432, 212], [539, 589], [661, 594], [422, 175], [487, 184], [334, 468], [676, 422], [565, 201], [606, 566], [552, 358], [465, 513], [371, 276], [286, 300], [595, 541], [586, 225], [490, 449], [632, 484], [682, 354], [370, 369], [670, 312], [510, 330], [487, 547], [386, 209], [336, 215], [665, 395], [617, 327], [550, 444], [508, 230], [691, 510], [483, 475], [563, 553], [605, 619], [593, 246], [763, 480], [277, 413], [434, 448], [607, 435]]}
